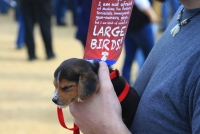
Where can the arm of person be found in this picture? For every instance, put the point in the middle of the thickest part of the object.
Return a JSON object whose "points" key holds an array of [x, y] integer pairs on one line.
{"points": [[146, 8], [101, 114]]}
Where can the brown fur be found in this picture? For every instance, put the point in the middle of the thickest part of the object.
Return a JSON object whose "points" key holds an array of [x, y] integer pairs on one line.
{"points": [[69, 95], [76, 79]]}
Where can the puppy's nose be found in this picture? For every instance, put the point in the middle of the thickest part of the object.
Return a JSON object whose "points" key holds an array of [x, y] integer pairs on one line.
{"points": [[55, 100]]}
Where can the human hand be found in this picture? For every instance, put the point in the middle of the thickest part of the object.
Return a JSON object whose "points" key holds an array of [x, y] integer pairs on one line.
{"points": [[101, 114]]}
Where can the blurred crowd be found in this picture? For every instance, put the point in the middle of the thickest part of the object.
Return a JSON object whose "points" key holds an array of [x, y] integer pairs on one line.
{"points": [[141, 34]]}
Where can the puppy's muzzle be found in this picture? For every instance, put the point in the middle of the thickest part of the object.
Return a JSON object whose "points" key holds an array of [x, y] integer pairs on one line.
{"points": [[55, 99]]}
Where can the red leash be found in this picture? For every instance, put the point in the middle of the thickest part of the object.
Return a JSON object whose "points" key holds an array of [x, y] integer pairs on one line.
{"points": [[62, 122], [121, 97], [124, 93]]}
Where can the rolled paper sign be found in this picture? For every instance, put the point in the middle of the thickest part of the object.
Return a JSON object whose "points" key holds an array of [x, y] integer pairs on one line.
{"points": [[109, 20]]}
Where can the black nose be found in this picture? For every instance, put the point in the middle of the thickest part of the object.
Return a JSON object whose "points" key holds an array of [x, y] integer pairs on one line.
{"points": [[55, 100]]}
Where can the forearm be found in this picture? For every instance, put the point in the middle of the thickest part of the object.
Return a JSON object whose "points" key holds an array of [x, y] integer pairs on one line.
{"points": [[113, 127], [142, 4], [151, 14], [145, 7], [119, 129]]}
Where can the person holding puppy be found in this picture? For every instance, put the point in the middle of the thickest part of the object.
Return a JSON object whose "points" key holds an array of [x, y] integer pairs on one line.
{"points": [[168, 85]]}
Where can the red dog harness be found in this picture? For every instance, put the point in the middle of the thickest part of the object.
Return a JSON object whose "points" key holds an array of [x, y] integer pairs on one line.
{"points": [[121, 97]]}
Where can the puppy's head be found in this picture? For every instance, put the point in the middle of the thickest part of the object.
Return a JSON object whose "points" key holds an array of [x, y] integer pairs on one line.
{"points": [[75, 79]]}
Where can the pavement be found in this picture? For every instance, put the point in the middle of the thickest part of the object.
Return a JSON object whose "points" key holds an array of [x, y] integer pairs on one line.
{"points": [[26, 87]]}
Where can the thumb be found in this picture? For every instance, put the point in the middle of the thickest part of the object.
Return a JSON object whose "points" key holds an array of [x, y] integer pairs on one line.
{"points": [[106, 86]]}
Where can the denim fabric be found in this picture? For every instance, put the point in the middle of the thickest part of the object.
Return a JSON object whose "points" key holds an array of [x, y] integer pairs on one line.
{"points": [[83, 20], [169, 8], [20, 36], [169, 83], [142, 39], [60, 9], [3, 7]]}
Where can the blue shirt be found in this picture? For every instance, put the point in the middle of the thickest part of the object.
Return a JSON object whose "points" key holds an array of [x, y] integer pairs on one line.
{"points": [[169, 82]]}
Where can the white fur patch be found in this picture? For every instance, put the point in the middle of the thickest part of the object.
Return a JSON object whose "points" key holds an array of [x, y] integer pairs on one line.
{"points": [[58, 77], [61, 106], [79, 100], [55, 94], [91, 61]]}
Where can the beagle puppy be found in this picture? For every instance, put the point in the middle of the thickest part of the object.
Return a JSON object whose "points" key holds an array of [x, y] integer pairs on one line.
{"points": [[76, 79]]}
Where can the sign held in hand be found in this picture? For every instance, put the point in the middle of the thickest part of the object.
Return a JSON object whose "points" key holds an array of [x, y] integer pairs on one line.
{"points": [[109, 20]]}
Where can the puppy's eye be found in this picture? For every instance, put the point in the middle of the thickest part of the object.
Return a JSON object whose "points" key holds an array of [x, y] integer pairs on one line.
{"points": [[67, 87]]}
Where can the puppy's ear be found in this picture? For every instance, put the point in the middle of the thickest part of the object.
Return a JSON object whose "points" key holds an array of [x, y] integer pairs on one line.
{"points": [[88, 84]]}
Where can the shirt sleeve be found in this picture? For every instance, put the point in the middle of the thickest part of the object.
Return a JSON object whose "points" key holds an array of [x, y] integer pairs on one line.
{"points": [[194, 109], [142, 4]]}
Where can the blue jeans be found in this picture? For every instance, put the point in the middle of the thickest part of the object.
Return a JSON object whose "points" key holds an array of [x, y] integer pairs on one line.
{"points": [[169, 8], [73, 6], [20, 37], [61, 7], [142, 39], [60, 10]]}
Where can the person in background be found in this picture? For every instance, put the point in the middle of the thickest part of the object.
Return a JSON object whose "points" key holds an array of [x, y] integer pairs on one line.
{"points": [[73, 6], [37, 11], [19, 18], [15, 4], [168, 85], [60, 8], [168, 9], [139, 34], [84, 7]]}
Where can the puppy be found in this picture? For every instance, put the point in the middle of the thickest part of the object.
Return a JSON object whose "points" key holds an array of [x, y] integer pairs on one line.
{"points": [[76, 79]]}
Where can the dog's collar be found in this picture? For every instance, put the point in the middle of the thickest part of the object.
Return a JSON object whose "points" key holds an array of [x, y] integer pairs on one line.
{"points": [[121, 97], [114, 74], [126, 89]]}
